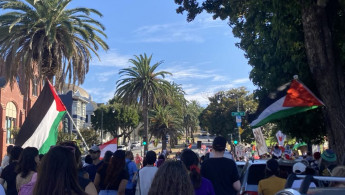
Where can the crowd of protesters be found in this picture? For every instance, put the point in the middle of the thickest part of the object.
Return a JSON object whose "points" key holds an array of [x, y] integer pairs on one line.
{"points": [[61, 171]]}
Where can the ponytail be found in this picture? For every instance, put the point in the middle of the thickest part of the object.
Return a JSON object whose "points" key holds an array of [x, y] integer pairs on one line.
{"points": [[195, 176]]}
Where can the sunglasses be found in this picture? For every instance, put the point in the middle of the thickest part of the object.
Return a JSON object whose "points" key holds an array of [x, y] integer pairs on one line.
{"points": [[93, 152]]}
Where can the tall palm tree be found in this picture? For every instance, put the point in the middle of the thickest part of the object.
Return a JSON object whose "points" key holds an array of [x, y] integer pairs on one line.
{"points": [[142, 85], [165, 121], [44, 35]]}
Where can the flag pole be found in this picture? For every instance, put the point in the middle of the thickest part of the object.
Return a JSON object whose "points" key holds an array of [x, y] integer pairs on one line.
{"points": [[82, 138]]}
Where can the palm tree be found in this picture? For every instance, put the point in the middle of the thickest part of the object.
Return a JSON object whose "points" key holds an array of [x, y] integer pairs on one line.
{"points": [[165, 121], [142, 85], [45, 36]]}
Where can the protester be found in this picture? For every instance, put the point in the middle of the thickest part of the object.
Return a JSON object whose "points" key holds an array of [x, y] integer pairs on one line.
{"points": [[146, 174], [160, 160], [338, 171], [131, 169], [201, 185], [9, 173], [171, 179], [58, 174], [138, 160], [222, 172], [6, 159], [83, 176], [88, 160], [95, 153], [316, 163], [328, 162], [276, 153], [272, 182], [300, 168], [107, 156], [27, 166], [112, 178]]}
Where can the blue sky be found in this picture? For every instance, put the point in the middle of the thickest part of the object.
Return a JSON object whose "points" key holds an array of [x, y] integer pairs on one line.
{"points": [[201, 54]]}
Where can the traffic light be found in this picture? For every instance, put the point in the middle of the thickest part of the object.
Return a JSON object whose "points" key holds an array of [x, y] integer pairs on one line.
{"points": [[144, 141], [235, 142]]}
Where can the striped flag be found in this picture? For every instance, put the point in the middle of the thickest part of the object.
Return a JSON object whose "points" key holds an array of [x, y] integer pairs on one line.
{"points": [[40, 126], [298, 98], [109, 145]]}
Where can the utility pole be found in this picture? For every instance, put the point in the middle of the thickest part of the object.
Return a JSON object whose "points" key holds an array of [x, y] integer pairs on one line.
{"points": [[238, 129]]}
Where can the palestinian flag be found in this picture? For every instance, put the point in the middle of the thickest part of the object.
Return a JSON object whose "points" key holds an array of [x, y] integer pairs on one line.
{"points": [[109, 145], [298, 98], [40, 126]]}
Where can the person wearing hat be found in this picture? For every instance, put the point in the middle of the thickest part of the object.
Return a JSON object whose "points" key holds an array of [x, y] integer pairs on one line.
{"points": [[272, 183], [221, 171], [299, 168], [328, 162], [95, 153]]}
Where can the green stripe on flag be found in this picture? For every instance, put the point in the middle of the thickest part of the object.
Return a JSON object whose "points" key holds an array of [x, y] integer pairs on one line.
{"points": [[283, 113], [53, 133]]}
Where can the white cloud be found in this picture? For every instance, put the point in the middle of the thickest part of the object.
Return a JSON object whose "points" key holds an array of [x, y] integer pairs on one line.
{"points": [[101, 94], [185, 73], [178, 32], [112, 58], [105, 76]]}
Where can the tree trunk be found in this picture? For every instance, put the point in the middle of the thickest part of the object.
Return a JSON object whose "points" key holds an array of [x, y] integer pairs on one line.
{"points": [[191, 135], [164, 142], [146, 122], [327, 72]]}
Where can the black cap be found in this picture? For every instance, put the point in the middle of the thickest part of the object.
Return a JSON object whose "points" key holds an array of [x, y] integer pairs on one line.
{"points": [[219, 143]]}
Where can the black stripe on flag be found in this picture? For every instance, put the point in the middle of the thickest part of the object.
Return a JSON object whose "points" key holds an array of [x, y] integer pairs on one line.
{"points": [[35, 115]]}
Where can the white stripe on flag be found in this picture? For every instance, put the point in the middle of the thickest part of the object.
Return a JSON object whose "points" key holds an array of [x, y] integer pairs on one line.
{"points": [[110, 147], [273, 108], [42, 132]]}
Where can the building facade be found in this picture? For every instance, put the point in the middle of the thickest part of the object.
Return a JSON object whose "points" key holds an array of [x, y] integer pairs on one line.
{"points": [[80, 106], [15, 104]]}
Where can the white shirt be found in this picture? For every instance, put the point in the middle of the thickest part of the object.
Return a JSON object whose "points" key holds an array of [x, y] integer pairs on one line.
{"points": [[146, 176]]}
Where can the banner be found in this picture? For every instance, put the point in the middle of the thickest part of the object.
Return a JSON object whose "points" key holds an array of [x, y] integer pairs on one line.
{"points": [[260, 141], [281, 138]]}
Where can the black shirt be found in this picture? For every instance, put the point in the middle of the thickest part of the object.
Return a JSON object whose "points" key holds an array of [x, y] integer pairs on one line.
{"points": [[222, 172], [92, 170], [9, 175], [115, 184]]}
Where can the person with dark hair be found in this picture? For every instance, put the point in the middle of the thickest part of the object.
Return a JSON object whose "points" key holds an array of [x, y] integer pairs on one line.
{"points": [[160, 160], [146, 174], [107, 156], [83, 176], [202, 186], [40, 156], [6, 159], [95, 153], [87, 161], [272, 182], [171, 179], [221, 171], [58, 173], [27, 166], [9, 173], [131, 169], [112, 178]]}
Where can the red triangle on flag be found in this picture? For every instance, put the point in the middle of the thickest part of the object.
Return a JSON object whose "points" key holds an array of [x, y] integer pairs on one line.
{"points": [[299, 95]]}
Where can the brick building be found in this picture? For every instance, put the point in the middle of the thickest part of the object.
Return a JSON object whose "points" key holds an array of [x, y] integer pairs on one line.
{"points": [[15, 104]]}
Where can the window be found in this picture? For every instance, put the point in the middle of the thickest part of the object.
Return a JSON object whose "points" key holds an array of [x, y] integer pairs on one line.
{"points": [[11, 116], [87, 118], [34, 86]]}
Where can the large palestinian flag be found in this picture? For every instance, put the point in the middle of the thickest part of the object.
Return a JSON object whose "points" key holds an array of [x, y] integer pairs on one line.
{"points": [[298, 98], [40, 126]]}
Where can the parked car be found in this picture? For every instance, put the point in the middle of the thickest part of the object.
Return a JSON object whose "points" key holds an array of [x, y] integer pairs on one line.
{"points": [[254, 171], [122, 147], [135, 144]]}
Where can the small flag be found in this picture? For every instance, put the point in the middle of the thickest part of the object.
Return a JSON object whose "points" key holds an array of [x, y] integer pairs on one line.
{"points": [[108, 146], [298, 98], [40, 126], [240, 130], [281, 138]]}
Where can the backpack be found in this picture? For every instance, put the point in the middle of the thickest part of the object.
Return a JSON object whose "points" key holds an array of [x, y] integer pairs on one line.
{"points": [[27, 189]]}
